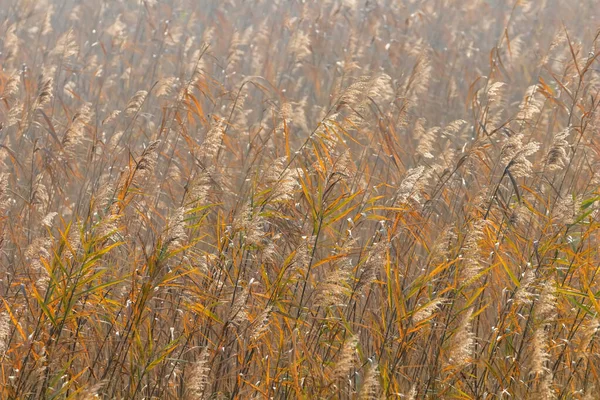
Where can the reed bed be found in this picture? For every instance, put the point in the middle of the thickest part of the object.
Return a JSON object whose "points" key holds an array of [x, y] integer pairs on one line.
{"points": [[299, 199]]}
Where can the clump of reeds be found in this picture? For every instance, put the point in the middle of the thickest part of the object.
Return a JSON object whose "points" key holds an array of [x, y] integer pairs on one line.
{"points": [[335, 199]]}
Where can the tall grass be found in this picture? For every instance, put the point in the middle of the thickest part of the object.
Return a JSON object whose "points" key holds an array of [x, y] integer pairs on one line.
{"points": [[299, 199]]}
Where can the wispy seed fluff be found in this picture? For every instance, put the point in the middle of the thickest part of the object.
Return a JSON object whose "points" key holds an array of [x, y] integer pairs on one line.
{"points": [[409, 190], [557, 156], [44, 94], [347, 358], [343, 165], [39, 195], [462, 342], [282, 181], [11, 89], [427, 310], [38, 255], [148, 159], [544, 311], [370, 389], [198, 188], [545, 390], [166, 86], [73, 241], [11, 44], [441, 248], [566, 210], [302, 253], [47, 221], [4, 331], [135, 103], [108, 227], [514, 155], [74, 134], [261, 324], [175, 234], [4, 197], [334, 288], [524, 293], [472, 252], [531, 105], [15, 115], [300, 45], [200, 376], [117, 29], [495, 92], [239, 309], [66, 46], [426, 142], [375, 261], [540, 356], [378, 88], [212, 142], [418, 83], [545, 307]]}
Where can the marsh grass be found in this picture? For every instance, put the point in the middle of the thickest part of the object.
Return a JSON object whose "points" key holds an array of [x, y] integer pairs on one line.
{"points": [[276, 199]]}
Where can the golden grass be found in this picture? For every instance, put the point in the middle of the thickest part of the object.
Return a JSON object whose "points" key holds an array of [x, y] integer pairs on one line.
{"points": [[299, 199]]}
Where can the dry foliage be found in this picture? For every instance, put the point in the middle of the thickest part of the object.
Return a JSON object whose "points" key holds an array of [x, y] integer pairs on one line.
{"points": [[299, 199]]}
